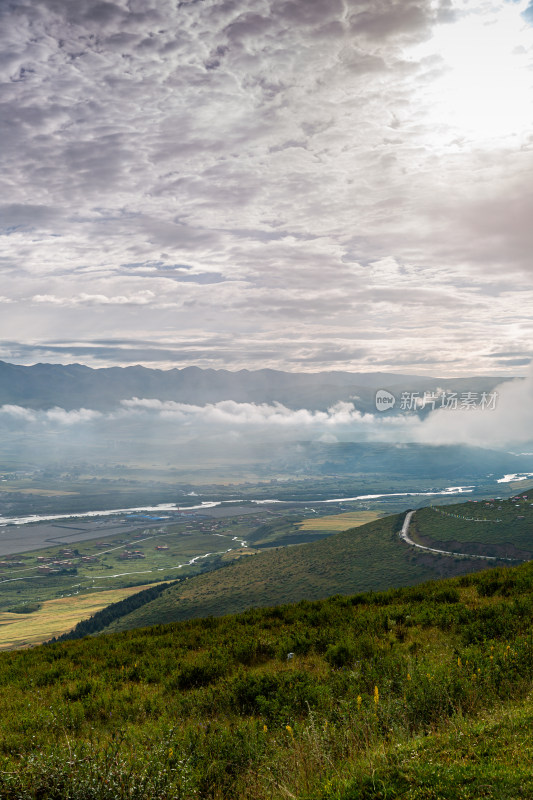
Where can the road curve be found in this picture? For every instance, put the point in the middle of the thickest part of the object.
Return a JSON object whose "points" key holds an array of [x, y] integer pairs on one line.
{"points": [[404, 535]]}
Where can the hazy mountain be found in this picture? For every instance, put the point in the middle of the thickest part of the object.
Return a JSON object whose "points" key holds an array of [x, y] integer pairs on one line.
{"points": [[72, 386]]}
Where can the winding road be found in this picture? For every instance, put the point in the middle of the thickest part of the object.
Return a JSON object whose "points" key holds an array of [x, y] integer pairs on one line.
{"points": [[404, 535]]}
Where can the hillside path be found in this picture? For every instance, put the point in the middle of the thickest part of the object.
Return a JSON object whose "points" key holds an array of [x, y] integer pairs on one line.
{"points": [[404, 535]]}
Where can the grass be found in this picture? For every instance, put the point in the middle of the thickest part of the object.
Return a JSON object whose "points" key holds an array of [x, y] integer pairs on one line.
{"points": [[339, 522], [370, 557], [22, 584], [419, 693], [489, 757], [496, 528], [53, 617], [183, 542]]}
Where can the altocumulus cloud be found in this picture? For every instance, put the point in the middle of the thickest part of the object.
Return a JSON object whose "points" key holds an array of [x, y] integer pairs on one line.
{"points": [[291, 154]]}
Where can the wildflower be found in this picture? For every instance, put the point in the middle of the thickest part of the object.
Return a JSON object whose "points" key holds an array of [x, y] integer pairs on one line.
{"points": [[458, 661], [265, 728], [359, 701], [289, 730], [170, 752], [408, 677], [376, 695]]}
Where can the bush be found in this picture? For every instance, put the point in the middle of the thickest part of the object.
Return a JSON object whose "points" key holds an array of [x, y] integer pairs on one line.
{"points": [[340, 655]]}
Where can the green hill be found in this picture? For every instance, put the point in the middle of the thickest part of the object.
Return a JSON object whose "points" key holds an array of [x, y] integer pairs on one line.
{"points": [[500, 528], [421, 693], [370, 557]]}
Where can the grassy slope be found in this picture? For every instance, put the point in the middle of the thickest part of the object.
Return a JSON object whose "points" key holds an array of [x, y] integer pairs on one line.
{"points": [[370, 557], [489, 757], [420, 693], [497, 528]]}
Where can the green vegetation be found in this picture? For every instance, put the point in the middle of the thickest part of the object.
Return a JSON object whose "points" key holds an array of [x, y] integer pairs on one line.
{"points": [[156, 554], [27, 608], [419, 693], [370, 557], [356, 469], [99, 621], [27, 625], [211, 551], [501, 528]]}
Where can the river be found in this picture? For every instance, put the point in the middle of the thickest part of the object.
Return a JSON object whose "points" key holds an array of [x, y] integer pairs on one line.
{"points": [[207, 504]]}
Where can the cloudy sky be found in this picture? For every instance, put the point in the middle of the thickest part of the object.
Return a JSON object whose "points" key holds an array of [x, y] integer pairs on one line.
{"points": [[298, 184]]}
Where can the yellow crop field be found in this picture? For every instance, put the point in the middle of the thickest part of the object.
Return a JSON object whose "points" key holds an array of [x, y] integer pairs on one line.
{"points": [[56, 617], [339, 522], [520, 486]]}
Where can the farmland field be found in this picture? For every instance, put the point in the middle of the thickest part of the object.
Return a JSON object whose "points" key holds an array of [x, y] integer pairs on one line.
{"points": [[55, 617], [339, 522]]}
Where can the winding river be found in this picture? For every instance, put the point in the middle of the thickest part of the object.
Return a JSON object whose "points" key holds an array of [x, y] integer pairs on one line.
{"points": [[206, 504]]}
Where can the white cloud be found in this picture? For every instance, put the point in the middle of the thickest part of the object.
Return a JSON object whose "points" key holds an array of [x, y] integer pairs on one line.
{"points": [[74, 417], [141, 298], [17, 413], [295, 155], [54, 416], [508, 424]]}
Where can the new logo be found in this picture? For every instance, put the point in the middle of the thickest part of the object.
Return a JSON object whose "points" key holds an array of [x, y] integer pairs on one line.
{"points": [[384, 400]]}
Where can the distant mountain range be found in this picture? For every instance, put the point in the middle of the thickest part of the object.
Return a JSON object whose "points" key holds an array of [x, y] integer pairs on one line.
{"points": [[71, 386]]}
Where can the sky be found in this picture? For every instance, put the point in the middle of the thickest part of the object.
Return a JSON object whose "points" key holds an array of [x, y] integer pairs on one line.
{"points": [[304, 185]]}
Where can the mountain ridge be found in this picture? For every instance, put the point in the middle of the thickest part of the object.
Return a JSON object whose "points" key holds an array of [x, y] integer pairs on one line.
{"points": [[44, 385]]}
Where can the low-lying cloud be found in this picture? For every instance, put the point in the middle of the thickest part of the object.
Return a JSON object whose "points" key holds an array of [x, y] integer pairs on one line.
{"points": [[507, 422]]}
